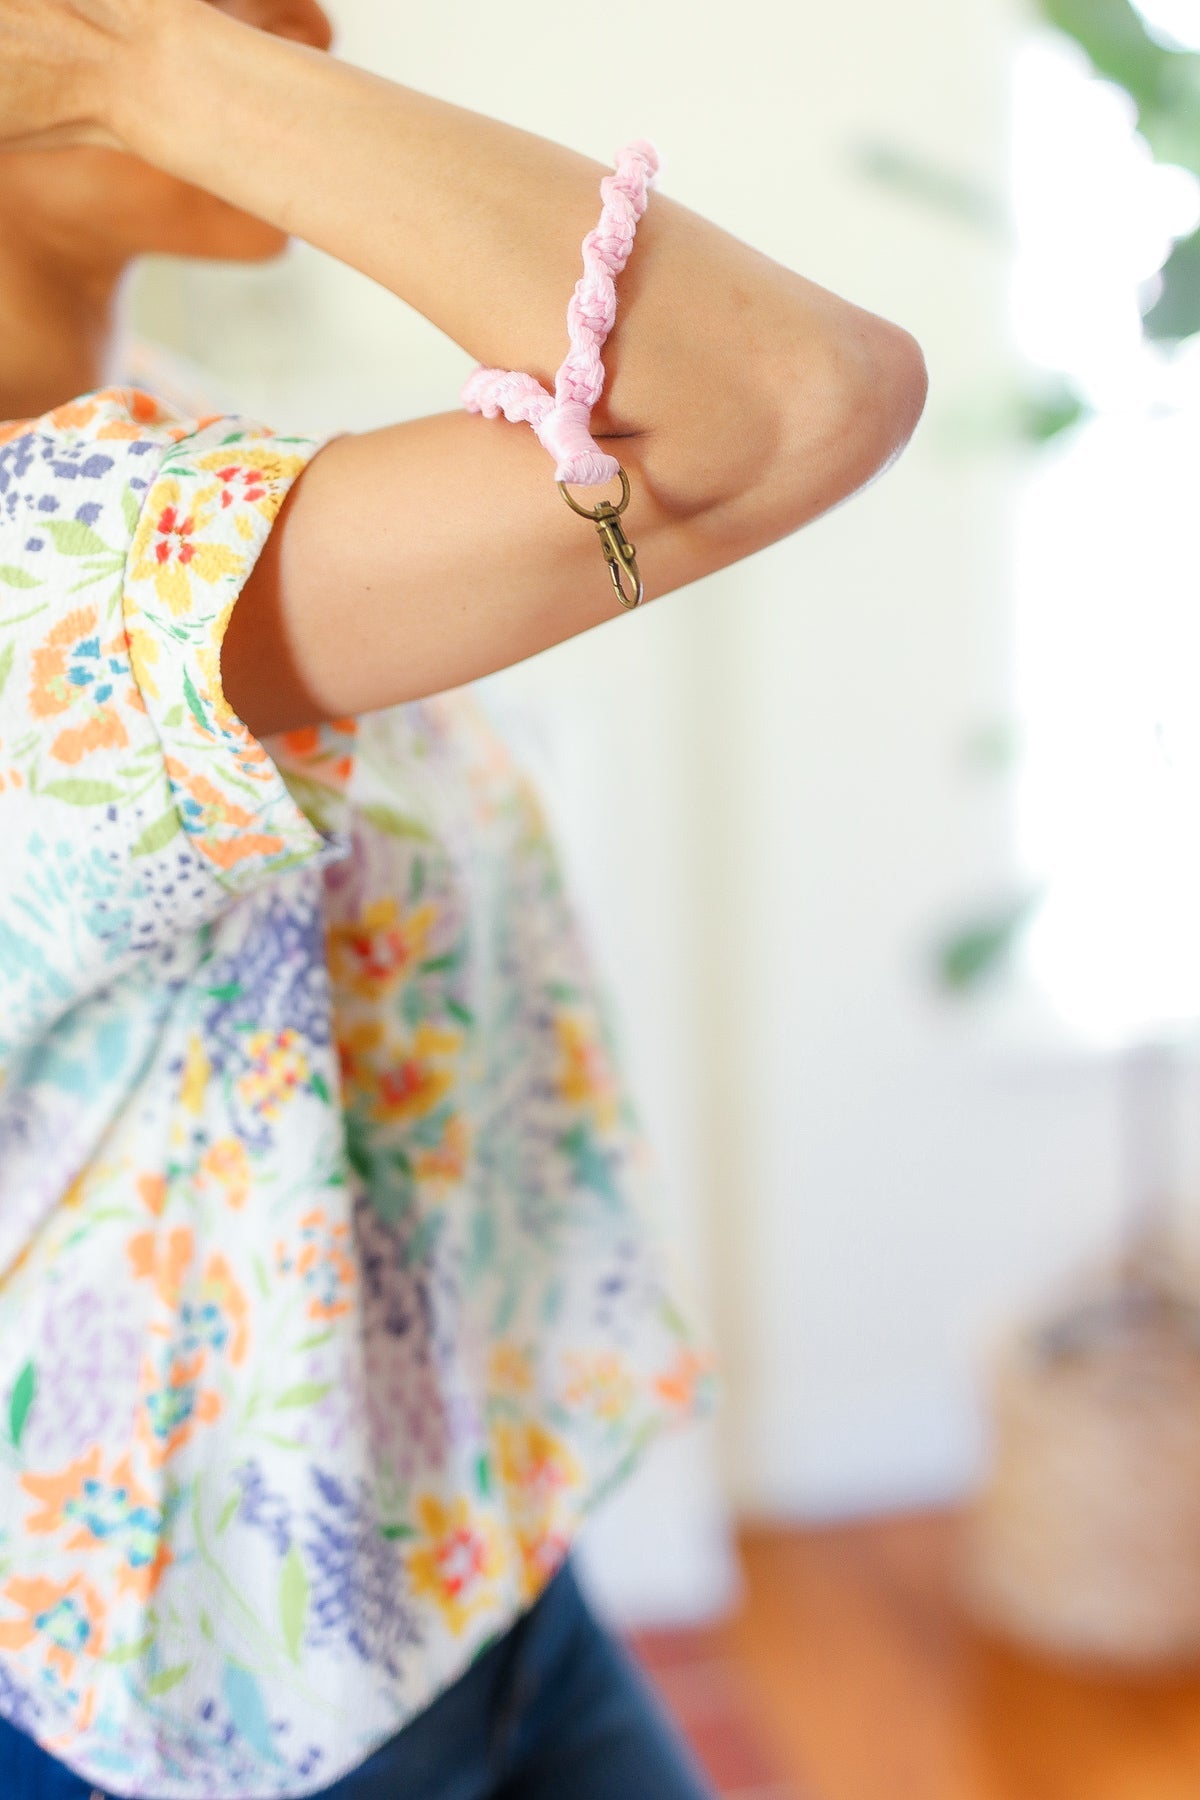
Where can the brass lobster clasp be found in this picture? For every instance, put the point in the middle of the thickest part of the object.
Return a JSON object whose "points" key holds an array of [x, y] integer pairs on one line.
{"points": [[619, 553]]}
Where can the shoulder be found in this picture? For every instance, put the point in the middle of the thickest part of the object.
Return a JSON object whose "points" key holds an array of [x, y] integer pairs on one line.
{"points": [[61, 471]]}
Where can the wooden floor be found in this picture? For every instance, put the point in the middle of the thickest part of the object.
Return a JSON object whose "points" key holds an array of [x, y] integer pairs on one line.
{"points": [[866, 1684]]}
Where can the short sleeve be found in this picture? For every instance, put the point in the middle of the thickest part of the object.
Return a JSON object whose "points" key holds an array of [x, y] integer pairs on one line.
{"points": [[199, 532], [134, 805]]}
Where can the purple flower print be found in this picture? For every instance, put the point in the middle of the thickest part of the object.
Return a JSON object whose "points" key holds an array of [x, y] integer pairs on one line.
{"points": [[86, 1356]]}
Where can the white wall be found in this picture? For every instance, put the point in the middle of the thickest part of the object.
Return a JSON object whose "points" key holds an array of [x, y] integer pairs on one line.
{"points": [[764, 784]]}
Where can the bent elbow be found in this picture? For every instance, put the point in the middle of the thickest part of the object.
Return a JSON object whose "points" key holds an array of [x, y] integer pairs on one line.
{"points": [[846, 419]]}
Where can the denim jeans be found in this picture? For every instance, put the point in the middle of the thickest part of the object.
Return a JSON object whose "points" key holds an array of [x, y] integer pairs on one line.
{"points": [[555, 1710]]}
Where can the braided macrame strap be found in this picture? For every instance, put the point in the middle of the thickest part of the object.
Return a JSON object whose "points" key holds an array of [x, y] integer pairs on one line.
{"points": [[562, 420]]}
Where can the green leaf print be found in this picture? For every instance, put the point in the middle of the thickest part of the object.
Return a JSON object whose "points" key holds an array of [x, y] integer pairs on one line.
{"points": [[131, 506], [73, 538], [319, 1086], [157, 835], [6, 663], [18, 578], [394, 1532], [127, 1653], [24, 1388], [194, 706], [305, 1393], [396, 824], [483, 1474], [293, 1601], [174, 717], [84, 793], [227, 1512], [166, 1680]]}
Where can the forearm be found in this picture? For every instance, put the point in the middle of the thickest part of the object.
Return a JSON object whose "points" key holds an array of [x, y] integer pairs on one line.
{"points": [[478, 226]]}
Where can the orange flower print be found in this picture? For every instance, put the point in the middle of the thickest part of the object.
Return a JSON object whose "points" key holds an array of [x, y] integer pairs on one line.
{"points": [[10, 775], [541, 1554], [396, 1084], [324, 753], [371, 954], [459, 1561], [324, 1264], [172, 546], [172, 1404], [220, 1316], [681, 1385], [73, 670], [278, 1069], [226, 1166], [510, 1370], [96, 1509], [585, 1074], [68, 1617], [599, 1384], [162, 1260], [445, 1162], [206, 811]]}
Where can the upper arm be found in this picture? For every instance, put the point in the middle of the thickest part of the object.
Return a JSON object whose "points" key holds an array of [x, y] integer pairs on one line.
{"points": [[409, 560]]}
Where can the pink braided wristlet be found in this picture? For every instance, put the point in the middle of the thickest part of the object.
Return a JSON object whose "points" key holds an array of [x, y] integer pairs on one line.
{"points": [[562, 420]]}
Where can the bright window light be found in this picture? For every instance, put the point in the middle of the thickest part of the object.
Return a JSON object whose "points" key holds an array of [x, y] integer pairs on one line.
{"points": [[1107, 567]]}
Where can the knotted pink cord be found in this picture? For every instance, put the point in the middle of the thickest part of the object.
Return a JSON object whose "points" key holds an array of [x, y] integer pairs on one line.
{"points": [[562, 420]]}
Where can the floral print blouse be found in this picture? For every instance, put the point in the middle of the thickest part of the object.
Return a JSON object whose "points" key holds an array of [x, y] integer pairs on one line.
{"points": [[327, 1307]]}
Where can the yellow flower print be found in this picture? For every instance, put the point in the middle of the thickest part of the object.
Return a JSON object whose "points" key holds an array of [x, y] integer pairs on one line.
{"points": [[143, 654], [227, 1164], [358, 1060], [536, 1469], [585, 1075], [409, 1085], [251, 474], [171, 548], [459, 1561], [599, 1384], [278, 1067], [370, 954], [510, 1371], [196, 1071]]}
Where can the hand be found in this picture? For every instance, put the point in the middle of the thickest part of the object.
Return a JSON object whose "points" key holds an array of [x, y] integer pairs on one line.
{"points": [[58, 64]]}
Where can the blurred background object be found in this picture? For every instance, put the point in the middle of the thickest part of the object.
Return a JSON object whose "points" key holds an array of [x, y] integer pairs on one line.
{"points": [[887, 843]]}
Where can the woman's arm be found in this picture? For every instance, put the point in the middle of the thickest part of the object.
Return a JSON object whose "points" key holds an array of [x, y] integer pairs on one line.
{"points": [[747, 399]]}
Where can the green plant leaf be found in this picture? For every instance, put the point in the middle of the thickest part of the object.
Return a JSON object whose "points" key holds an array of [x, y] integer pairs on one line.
{"points": [[11, 576], [396, 824], [84, 793], [305, 1393], [1176, 313], [20, 1401], [194, 706], [166, 1680], [978, 950], [73, 538], [157, 835], [293, 1601]]}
